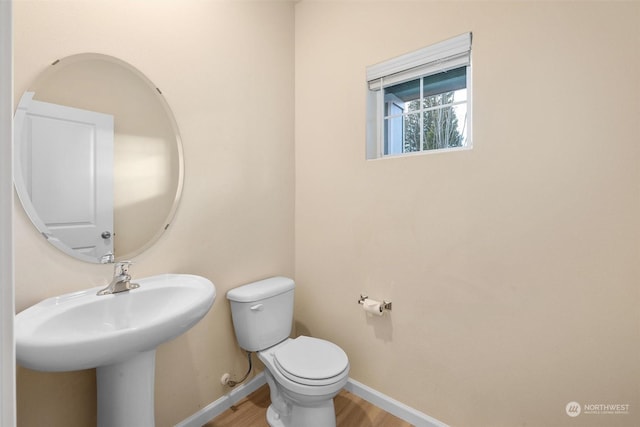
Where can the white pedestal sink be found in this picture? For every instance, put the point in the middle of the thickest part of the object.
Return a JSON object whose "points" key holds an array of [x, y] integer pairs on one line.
{"points": [[118, 334]]}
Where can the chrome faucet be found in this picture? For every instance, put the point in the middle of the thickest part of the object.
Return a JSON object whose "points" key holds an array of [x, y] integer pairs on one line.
{"points": [[121, 281]]}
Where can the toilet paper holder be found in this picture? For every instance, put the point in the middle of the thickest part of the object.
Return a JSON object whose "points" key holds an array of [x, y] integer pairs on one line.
{"points": [[385, 305]]}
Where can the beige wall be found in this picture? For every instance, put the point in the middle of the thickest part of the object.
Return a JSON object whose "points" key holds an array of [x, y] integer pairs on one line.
{"points": [[226, 69], [513, 268]]}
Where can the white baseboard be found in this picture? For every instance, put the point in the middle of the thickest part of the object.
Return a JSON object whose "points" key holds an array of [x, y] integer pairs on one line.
{"points": [[372, 396], [220, 405], [392, 406]]}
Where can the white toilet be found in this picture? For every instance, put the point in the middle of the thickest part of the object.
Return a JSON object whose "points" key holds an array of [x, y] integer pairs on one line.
{"points": [[304, 374]]}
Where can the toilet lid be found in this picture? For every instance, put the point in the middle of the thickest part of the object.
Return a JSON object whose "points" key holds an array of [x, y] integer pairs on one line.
{"points": [[311, 359]]}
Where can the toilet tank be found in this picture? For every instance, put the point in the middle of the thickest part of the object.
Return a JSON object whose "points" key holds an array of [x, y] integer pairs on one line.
{"points": [[262, 312]]}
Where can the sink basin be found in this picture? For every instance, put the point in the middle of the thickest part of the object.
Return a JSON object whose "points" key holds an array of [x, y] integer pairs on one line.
{"points": [[117, 334], [82, 330]]}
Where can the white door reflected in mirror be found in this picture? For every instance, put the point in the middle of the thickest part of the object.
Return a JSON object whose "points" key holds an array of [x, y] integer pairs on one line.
{"points": [[66, 171]]}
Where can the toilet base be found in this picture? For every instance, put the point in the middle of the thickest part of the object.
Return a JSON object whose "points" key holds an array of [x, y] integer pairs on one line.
{"points": [[273, 419], [317, 416]]}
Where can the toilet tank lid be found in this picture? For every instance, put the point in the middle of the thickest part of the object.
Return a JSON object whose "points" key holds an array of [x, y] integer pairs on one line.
{"points": [[261, 289]]}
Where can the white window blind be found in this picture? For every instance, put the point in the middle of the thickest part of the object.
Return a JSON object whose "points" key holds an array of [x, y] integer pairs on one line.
{"points": [[446, 55]]}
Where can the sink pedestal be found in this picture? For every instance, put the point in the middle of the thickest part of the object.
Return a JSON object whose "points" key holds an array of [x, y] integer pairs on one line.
{"points": [[126, 392]]}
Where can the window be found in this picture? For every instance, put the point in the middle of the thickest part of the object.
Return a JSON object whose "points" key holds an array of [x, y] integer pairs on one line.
{"points": [[420, 101]]}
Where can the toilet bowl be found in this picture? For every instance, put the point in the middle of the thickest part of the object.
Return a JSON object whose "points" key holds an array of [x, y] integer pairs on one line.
{"points": [[304, 374]]}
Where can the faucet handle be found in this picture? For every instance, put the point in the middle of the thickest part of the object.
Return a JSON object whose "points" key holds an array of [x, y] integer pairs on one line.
{"points": [[121, 267]]}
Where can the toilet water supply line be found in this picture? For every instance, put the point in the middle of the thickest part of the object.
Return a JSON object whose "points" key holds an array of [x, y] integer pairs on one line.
{"points": [[226, 378]]}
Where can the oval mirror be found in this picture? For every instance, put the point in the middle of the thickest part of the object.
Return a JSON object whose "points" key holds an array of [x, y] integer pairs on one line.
{"points": [[99, 165]]}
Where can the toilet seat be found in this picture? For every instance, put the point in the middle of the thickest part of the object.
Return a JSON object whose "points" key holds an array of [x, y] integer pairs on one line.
{"points": [[311, 361]]}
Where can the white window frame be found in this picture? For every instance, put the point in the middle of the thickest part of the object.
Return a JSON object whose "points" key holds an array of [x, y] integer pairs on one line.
{"points": [[440, 57]]}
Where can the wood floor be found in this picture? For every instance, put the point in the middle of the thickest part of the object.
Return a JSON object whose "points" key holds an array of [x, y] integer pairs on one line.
{"points": [[351, 411]]}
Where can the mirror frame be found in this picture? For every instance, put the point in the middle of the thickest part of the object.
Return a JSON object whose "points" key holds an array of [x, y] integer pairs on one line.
{"points": [[19, 181]]}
